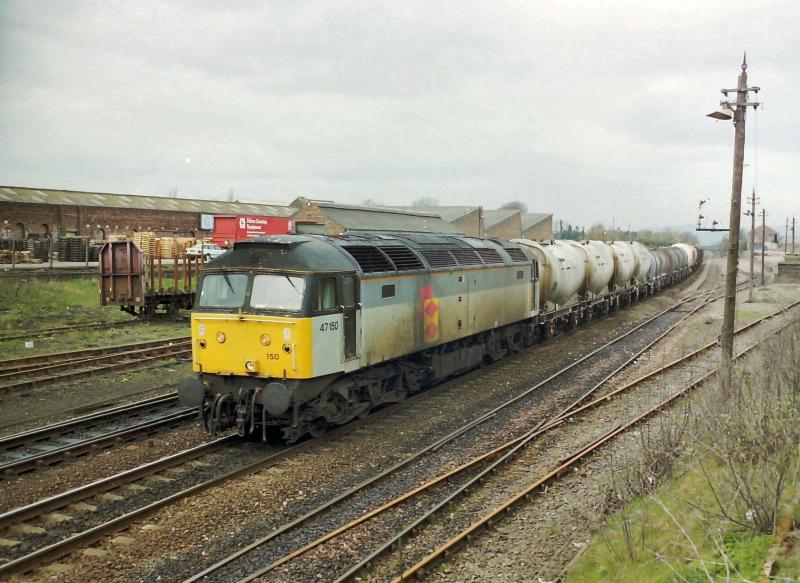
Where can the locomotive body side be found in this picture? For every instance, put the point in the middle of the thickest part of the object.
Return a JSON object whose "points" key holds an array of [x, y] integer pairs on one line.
{"points": [[290, 329], [294, 334]]}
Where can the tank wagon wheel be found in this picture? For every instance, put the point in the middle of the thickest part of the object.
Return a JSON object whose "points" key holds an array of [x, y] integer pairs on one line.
{"points": [[273, 434], [548, 329], [318, 428]]}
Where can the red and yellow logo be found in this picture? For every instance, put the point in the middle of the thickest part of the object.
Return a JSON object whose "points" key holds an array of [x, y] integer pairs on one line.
{"points": [[430, 314]]}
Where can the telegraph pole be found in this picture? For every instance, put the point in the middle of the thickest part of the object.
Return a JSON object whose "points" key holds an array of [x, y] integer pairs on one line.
{"points": [[786, 237], [741, 104], [752, 214], [763, 241]]}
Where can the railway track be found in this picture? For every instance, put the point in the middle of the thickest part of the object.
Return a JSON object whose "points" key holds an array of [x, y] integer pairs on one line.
{"points": [[472, 474], [536, 486], [68, 440], [141, 498], [38, 333], [231, 567], [227, 569], [144, 501], [25, 373]]}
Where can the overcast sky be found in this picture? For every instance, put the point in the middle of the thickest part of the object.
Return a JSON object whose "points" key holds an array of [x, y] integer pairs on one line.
{"points": [[590, 110]]}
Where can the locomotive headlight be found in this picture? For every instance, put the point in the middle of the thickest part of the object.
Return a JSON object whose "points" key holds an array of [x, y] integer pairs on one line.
{"points": [[265, 339], [220, 337], [250, 366]]}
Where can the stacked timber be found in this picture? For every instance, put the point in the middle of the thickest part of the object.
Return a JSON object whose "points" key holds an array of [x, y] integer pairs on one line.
{"points": [[183, 243], [19, 257], [165, 247], [144, 241]]}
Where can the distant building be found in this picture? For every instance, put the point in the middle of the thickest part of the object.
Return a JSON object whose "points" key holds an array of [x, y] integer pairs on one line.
{"points": [[772, 240], [537, 226], [503, 223], [468, 219], [39, 212], [325, 217]]}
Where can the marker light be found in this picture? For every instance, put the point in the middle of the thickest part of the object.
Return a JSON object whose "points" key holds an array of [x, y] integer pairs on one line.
{"points": [[220, 337], [250, 366], [265, 339]]}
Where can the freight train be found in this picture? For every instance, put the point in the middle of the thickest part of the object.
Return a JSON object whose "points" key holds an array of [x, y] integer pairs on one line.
{"points": [[295, 334]]}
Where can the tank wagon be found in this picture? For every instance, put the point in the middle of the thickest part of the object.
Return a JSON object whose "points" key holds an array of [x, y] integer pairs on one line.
{"points": [[293, 334]]}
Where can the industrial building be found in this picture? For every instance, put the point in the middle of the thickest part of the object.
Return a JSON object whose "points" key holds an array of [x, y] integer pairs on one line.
{"points": [[330, 218], [31, 213], [40, 212], [503, 223], [537, 226]]}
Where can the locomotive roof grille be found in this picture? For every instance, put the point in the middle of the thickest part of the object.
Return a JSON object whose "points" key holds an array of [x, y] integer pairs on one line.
{"points": [[403, 257], [518, 255], [370, 259], [439, 258], [466, 256], [490, 256]]}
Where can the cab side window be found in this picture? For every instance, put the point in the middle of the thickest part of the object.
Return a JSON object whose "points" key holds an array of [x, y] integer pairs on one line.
{"points": [[348, 290], [326, 294]]}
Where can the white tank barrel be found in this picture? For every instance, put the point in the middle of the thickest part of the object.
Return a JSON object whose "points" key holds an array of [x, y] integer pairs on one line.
{"points": [[624, 263], [644, 261], [690, 251], [562, 270], [599, 265]]}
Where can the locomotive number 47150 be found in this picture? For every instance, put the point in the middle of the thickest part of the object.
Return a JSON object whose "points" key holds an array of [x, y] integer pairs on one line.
{"points": [[328, 326]]}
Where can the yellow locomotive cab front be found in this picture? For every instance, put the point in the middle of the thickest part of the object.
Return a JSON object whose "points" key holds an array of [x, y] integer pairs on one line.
{"points": [[244, 326], [252, 345]]}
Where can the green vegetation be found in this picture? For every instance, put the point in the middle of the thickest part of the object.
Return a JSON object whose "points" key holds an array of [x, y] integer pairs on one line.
{"points": [[662, 238], [703, 490], [38, 304], [667, 537], [35, 303]]}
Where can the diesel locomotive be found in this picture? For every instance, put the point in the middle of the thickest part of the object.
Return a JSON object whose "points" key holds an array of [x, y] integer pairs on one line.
{"points": [[294, 334]]}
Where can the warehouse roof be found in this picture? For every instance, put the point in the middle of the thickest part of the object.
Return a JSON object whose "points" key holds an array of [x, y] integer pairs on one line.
{"points": [[135, 201], [448, 213], [491, 218], [531, 219], [373, 218]]}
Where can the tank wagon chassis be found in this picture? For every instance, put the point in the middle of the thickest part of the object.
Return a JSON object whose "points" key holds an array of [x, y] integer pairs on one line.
{"points": [[275, 407]]}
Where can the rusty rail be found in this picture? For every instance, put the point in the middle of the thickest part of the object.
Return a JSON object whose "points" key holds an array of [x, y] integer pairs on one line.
{"points": [[72, 328], [92, 365], [533, 488], [516, 443], [91, 535], [450, 437]]}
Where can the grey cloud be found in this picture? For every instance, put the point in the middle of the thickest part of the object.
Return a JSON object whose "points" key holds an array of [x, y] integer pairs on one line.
{"points": [[589, 110]]}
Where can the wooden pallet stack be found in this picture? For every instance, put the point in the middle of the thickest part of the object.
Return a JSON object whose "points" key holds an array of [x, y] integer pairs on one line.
{"points": [[165, 247], [184, 243], [19, 257], [144, 240]]}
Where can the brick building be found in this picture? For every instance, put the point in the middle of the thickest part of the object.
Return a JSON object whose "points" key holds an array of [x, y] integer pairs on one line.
{"points": [[40, 212]]}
